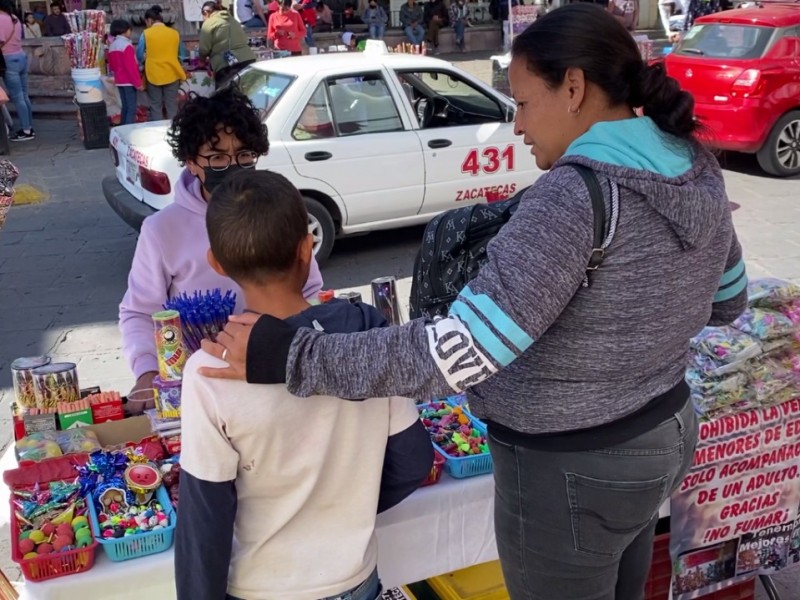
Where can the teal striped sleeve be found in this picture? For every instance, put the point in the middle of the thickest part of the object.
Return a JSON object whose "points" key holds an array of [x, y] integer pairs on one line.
{"points": [[733, 282], [730, 299]]}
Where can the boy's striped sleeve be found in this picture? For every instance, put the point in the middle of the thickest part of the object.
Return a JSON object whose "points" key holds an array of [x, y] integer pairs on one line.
{"points": [[731, 297]]}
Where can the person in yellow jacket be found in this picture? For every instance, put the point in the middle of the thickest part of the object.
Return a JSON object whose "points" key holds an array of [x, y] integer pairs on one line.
{"points": [[160, 49]]}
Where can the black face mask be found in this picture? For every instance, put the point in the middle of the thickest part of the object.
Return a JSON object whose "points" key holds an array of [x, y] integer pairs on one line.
{"points": [[215, 178]]}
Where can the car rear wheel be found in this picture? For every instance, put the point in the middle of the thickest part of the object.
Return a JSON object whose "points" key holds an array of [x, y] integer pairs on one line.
{"points": [[321, 226], [781, 153]]}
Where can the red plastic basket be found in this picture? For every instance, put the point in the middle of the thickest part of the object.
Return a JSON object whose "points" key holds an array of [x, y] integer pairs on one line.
{"points": [[57, 564], [436, 470], [660, 577]]}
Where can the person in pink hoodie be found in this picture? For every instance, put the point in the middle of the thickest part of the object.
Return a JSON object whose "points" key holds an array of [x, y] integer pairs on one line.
{"points": [[122, 63], [214, 138]]}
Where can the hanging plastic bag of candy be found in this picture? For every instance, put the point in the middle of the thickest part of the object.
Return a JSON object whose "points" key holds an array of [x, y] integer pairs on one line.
{"points": [[8, 177], [773, 378], [771, 292], [765, 324], [725, 345]]}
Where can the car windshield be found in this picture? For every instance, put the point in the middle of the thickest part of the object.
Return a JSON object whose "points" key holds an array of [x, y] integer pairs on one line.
{"points": [[264, 88], [717, 40]]}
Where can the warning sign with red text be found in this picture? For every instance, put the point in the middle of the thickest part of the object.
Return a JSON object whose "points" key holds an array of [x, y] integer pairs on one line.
{"points": [[736, 513]]}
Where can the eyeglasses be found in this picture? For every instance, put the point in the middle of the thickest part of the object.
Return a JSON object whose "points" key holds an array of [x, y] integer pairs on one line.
{"points": [[246, 159]]}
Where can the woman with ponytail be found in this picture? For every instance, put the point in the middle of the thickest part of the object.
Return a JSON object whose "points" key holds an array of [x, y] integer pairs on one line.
{"points": [[579, 375]]}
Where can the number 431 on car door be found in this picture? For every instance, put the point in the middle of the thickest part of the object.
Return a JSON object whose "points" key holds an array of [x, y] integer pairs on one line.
{"points": [[488, 160]]}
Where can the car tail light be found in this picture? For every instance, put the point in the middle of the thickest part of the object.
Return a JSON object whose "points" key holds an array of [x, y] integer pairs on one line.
{"points": [[114, 155], [749, 83], [154, 182]]}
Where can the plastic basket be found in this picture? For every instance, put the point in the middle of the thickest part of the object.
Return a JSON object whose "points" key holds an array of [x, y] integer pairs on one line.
{"points": [[93, 125], [481, 582], [56, 564], [460, 467], [140, 544], [436, 469]]}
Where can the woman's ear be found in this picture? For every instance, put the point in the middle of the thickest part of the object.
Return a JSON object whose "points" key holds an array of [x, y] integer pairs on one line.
{"points": [[575, 86]]}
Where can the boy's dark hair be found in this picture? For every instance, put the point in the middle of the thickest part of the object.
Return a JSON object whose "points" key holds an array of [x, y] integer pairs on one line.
{"points": [[199, 119], [256, 221], [55, 5], [118, 27]]}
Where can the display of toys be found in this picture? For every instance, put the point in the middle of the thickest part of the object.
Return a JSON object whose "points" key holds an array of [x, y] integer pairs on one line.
{"points": [[22, 377], [168, 398], [56, 383]]}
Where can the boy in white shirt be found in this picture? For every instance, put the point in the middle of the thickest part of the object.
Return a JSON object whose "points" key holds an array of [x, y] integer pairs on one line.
{"points": [[278, 495]]}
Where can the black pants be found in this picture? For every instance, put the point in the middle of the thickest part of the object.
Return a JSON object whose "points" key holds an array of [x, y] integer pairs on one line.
{"points": [[225, 74], [580, 525]]}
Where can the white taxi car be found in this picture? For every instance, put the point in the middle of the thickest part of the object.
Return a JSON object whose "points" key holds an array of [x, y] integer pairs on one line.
{"points": [[372, 140]]}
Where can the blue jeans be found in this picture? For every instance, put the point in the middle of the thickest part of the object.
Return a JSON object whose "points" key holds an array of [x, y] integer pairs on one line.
{"points": [[458, 28], [369, 589], [376, 31], [415, 34], [310, 36], [254, 22], [127, 94], [16, 79], [583, 522]]}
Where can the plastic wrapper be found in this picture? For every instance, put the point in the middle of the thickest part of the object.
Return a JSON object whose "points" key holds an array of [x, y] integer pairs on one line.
{"points": [[773, 379], [74, 441], [726, 345], [765, 324], [772, 293], [38, 446]]}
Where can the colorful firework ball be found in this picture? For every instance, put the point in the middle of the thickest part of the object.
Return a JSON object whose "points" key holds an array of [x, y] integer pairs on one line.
{"points": [[56, 383], [169, 344], [22, 376], [384, 298]]}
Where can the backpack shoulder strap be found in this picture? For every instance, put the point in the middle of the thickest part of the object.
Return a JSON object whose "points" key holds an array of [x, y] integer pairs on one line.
{"points": [[599, 208]]}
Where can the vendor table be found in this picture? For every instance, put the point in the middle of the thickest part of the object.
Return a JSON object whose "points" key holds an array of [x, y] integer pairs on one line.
{"points": [[438, 529]]}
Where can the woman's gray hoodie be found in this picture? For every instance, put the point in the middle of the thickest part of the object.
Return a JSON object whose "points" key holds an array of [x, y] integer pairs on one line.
{"points": [[538, 352]]}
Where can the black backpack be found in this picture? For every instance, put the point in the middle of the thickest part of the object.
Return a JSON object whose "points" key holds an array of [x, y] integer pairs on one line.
{"points": [[454, 247]]}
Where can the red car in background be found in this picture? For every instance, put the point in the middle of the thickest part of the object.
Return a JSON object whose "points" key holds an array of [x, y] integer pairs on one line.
{"points": [[743, 68]]}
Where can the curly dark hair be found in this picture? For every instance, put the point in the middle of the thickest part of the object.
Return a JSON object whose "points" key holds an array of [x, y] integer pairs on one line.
{"points": [[200, 119]]}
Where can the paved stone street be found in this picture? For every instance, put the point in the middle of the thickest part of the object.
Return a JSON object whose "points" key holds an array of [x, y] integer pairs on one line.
{"points": [[64, 262]]}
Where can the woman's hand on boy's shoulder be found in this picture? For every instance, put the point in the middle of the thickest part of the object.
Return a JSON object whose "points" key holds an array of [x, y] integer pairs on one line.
{"points": [[231, 347]]}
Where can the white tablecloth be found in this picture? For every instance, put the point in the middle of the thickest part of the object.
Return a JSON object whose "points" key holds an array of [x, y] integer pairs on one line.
{"points": [[437, 529]]}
